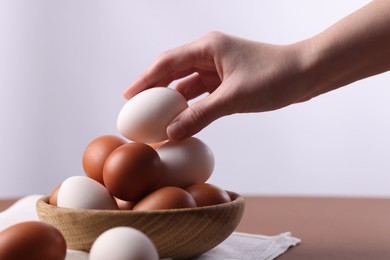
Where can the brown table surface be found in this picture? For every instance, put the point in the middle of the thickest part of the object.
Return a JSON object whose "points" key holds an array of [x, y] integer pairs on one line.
{"points": [[330, 228]]}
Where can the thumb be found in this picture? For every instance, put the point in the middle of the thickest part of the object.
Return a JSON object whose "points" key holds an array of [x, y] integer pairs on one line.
{"points": [[193, 119]]}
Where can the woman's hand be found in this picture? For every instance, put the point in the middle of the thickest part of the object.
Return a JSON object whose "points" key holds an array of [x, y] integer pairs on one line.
{"points": [[240, 75]]}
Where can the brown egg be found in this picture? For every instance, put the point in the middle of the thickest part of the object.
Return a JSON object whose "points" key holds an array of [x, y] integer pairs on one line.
{"points": [[96, 153], [166, 198], [53, 196], [206, 194], [157, 145], [124, 204], [32, 240], [131, 171]]}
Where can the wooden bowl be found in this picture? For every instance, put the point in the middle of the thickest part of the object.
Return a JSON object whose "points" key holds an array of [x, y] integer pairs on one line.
{"points": [[176, 233]]}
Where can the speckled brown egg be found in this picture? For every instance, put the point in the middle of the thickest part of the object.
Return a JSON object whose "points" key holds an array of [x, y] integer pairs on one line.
{"points": [[206, 194], [32, 240], [131, 171], [166, 198], [96, 153]]}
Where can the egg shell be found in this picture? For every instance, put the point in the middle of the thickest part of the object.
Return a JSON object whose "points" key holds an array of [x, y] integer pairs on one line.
{"points": [[32, 240], [53, 196], [185, 163], [123, 243], [166, 198], [124, 204], [206, 194], [84, 193], [131, 171], [146, 116], [157, 145], [96, 153]]}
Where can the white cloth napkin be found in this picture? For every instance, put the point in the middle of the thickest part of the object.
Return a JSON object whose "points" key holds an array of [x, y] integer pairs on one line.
{"points": [[237, 246]]}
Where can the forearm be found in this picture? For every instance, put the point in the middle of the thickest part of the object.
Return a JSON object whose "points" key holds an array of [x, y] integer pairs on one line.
{"points": [[356, 47]]}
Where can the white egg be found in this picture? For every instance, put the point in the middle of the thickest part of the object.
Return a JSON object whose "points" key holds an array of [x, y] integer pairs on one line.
{"points": [[123, 243], [185, 163], [84, 193], [145, 117]]}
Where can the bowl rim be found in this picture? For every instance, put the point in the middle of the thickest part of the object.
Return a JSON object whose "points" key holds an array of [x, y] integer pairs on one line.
{"points": [[236, 199]]}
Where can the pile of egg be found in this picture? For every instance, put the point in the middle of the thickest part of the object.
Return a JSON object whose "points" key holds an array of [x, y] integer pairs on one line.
{"points": [[140, 171], [135, 176], [143, 170]]}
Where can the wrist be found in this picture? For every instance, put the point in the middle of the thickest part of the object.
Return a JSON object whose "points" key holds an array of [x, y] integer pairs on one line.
{"points": [[320, 69], [307, 80]]}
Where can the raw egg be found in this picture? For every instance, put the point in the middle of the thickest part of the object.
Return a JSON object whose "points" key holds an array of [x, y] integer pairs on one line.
{"points": [[185, 163], [53, 196], [32, 240], [166, 198], [124, 204], [96, 153], [206, 194], [123, 243], [157, 145], [131, 171], [145, 117], [84, 193]]}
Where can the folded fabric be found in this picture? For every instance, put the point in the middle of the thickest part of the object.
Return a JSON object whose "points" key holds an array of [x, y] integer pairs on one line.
{"points": [[237, 246], [22, 210]]}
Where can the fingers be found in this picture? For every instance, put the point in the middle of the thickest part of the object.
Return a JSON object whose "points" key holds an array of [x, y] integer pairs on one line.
{"points": [[171, 65], [198, 84], [196, 117], [141, 84], [189, 122]]}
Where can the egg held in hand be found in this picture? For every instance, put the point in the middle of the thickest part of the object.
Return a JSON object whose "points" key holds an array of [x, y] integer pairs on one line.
{"points": [[96, 153], [146, 116], [84, 193], [166, 198], [185, 163], [123, 243], [131, 171], [32, 240]]}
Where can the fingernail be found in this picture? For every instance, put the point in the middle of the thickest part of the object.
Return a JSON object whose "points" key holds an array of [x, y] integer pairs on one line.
{"points": [[126, 93], [176, 131]]}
